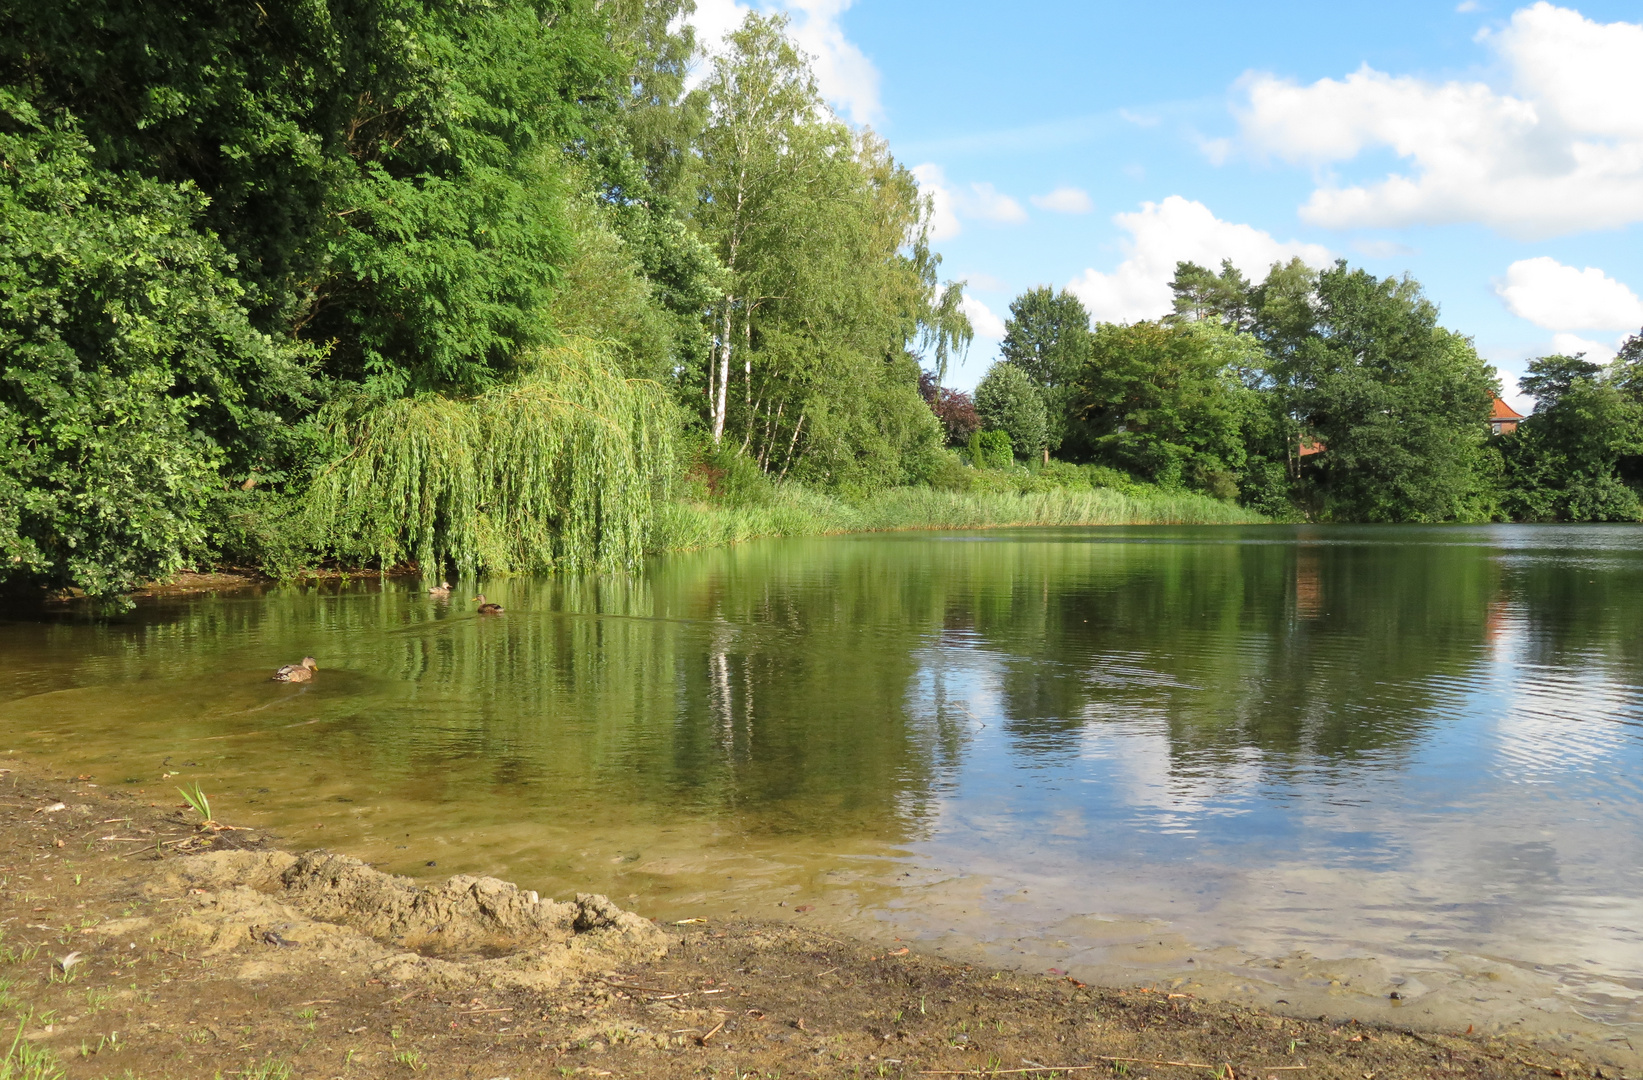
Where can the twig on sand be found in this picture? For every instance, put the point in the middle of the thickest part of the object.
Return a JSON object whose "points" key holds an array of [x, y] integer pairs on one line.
{"points": [[156, 847], [703, 1040]]}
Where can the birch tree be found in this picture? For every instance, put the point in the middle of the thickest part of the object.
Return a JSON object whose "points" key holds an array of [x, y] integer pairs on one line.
{"points": [[761, 93]]}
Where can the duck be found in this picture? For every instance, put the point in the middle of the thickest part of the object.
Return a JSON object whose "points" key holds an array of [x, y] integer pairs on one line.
{"points": [[487, 608], [440, 591], [302, 672]]}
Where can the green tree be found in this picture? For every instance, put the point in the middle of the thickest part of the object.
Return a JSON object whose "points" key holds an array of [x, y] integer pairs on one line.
{"points": [[1401, 405], [828, 279], [385, 172], [944, 329], [1202, 295], [1048, 337], [1162, 402], [1007, 401], [133, 381], [762, 95], [1565, 460], [641, 154], [990, 450]]}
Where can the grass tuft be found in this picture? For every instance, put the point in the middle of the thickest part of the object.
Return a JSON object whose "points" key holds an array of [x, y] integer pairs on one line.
{"points": [[25, 1061], [199, 802]]}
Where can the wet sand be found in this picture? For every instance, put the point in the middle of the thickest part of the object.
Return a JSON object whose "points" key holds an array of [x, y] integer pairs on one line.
{"points": [[136, 944]]}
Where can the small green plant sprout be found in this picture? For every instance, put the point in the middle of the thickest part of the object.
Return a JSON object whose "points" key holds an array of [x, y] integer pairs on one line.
{"points": [[25, 1061], [200, 804]]}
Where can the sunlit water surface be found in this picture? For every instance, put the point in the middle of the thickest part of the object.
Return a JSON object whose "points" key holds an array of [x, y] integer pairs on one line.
{"points": [[1305, 766]]}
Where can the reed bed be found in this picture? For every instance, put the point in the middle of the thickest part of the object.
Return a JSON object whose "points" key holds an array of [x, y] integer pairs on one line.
{"points": [[683, 525]]}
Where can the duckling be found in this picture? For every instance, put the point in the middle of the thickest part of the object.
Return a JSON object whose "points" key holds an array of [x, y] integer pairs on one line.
{"points": [[486, 608], [440, 591], [302, 672]]}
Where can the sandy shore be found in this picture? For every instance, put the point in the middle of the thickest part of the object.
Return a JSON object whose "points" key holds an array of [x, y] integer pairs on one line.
{"points": [[136, 944]]}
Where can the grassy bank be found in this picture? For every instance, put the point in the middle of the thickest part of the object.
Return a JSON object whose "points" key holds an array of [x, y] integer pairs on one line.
{"points": [[793, 511]]}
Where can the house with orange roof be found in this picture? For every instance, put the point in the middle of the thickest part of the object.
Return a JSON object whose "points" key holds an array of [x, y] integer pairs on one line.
{"points": [[1504, 419]]}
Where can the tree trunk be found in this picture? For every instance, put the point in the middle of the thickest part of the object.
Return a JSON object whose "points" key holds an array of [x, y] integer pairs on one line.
{"points": [[791, 446], [719, 400]]}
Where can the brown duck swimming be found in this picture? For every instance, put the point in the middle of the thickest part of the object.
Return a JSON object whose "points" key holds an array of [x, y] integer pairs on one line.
{"points": [[302, 672], [486, 608], [440, 591]]}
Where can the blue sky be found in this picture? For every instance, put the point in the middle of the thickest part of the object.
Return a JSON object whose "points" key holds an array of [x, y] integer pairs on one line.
{"points": [[1493, 151]]}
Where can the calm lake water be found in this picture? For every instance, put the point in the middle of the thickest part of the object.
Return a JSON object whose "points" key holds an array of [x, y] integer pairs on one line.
{"points": [[1299, 765]]}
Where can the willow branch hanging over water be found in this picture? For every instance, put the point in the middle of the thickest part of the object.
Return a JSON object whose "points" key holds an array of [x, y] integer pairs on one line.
{"points": [[560, 469]]}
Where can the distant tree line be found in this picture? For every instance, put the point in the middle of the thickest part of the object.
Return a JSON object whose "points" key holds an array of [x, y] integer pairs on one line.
{"points": [[1327, 395]]}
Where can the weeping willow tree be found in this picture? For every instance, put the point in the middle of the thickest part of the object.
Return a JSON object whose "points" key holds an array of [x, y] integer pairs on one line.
{"points": [[560, 469]]}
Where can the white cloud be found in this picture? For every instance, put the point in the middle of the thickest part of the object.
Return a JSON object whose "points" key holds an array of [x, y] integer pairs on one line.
{"points": [[932, 183], [845, 76], [1570, 344], [1467, 7], [1558, 149], [1162, 234], [713, 19], [1512, 393], [982, 319], [1558, 297], [1064, 200], [985, 203], [952, 205]]}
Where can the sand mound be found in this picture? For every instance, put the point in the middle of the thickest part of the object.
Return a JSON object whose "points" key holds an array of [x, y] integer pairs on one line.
{"points": [[291, 911]]}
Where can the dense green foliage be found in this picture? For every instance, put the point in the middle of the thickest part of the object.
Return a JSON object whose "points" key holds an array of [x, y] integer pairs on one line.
{"points": [[1158, 401], [1577, 457], [383, 171], [812, 374], [281, 282], [557, 469], [132, 378], [1224, 395], [1047, 336], [1008, 402]]}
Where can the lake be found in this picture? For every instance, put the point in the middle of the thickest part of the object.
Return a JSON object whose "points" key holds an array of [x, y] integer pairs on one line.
{"points": [[1308, 767]]}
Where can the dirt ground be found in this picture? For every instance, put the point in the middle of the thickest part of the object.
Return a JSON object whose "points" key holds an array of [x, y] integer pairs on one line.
{"points": [[135, 944]]}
